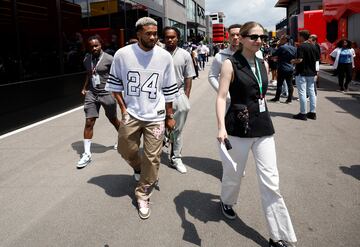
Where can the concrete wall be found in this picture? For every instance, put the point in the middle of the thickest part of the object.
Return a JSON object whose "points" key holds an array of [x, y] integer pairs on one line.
{"points": [[153, 5], [175, 11]]}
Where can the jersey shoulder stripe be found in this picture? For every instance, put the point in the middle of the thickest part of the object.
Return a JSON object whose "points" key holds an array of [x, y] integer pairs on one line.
{"points": [[171, 92], [169, 87], [114, 80]]}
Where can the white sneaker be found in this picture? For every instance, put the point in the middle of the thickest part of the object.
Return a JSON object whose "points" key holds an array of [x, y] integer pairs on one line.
{"points": [[144, 209], [84, 160], [178, 165], [115, 146]]}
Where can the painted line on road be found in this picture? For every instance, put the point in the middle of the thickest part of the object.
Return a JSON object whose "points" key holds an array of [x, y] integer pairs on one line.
{"points": [[39, 123]]}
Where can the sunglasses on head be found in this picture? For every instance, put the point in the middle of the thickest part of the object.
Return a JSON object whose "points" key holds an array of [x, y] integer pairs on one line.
{"points": [[254, 37]]}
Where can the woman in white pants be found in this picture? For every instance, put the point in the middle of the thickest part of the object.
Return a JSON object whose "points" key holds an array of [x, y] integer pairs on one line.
{"points": [[247, 125]]}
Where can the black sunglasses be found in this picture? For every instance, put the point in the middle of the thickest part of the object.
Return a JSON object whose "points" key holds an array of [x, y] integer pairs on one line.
{"points": [[254, 37]]}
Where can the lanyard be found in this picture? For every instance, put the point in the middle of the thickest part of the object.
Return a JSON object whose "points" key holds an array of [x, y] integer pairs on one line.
{"points": [[258, 77], [92, 64]]}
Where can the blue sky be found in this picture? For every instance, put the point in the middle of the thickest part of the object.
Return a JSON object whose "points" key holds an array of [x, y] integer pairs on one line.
{"points": [[241, 11]]}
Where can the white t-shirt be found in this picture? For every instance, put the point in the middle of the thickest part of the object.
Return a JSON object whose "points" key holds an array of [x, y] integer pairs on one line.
{"points": [[147, 80], [202, 49], [184, 67]]}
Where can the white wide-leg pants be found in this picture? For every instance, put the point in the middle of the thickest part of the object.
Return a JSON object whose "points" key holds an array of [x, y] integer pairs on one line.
{"points": [[263, 149]]}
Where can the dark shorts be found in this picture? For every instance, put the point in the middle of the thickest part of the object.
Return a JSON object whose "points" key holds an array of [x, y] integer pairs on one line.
{"points": [[94, 101]]}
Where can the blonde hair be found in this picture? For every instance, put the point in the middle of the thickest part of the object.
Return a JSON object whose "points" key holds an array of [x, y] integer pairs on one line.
{"points": [[144, 21]]}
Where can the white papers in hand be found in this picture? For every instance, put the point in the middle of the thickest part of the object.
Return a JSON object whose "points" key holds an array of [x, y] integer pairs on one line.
{"points": [[225, 156]]}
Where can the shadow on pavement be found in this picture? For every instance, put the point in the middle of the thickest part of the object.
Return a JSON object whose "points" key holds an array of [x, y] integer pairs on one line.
{"points": [[353, 170], [205, 207], [349, 105], [205, 165], [95, 148], [281, 114], [116, 185]]}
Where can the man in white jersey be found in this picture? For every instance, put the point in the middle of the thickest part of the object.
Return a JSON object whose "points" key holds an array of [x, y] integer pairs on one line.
{"points": [[97, 64], [143, 81], [184, 71]]}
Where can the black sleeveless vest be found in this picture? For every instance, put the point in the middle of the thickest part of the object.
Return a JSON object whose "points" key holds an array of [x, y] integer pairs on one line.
{"points": [[244, 89]]}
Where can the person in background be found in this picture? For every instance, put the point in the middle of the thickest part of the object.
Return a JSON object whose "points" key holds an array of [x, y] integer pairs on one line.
{"points": [[207, 54], [284, 54], [248, 126], [344, 63], [216, 49], [97, 64], [194, 57], [202, 50], [113, 46], [273, 64], [313, 40], [220, 57], [305, 72], [184, 72], [143, 81]]}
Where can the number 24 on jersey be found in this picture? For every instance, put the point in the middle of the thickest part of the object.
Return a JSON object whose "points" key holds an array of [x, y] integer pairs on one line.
{"points": [[135, 85]]}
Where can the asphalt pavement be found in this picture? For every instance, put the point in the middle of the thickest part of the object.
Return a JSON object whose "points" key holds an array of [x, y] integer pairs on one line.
{"points": [[46, 201]]}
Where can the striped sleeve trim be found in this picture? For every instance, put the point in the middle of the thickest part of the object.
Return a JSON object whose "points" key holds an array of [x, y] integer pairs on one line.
{"points": [[169, 87], [113, 88], [114, 80], [170, 90]]}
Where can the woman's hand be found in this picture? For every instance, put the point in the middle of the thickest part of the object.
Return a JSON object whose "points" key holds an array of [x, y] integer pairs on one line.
{"points": [[222, 135]]}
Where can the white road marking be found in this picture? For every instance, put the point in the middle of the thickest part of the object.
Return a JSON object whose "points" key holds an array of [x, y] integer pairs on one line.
{"points": [[39, 123]]}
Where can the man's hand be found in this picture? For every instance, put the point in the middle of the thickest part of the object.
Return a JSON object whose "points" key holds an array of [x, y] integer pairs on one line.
{"points": [[84, 91], [170, 123], [125, 118]]}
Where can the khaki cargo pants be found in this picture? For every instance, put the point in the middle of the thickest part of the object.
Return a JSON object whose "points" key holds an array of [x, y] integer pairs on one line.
{"points": [[147, 162]]}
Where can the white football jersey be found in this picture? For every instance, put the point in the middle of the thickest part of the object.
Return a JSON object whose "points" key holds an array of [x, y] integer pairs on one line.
{"points": [[147, 80]]}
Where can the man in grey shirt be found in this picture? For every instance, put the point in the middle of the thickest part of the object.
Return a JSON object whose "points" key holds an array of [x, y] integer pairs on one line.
{"points": [[184, 71], [97, 64]]}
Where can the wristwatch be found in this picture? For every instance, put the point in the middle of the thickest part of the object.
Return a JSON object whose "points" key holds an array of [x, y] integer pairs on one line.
{"points": [[170, 116]]}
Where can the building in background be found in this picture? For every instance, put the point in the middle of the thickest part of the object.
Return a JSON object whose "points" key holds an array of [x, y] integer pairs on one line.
{"points": [[331, 20], [188, 16], [115, 19], [218, 27], [40, 61], [344, 17], [196, 22], [209, 29], [293, 8], [44, 43]]}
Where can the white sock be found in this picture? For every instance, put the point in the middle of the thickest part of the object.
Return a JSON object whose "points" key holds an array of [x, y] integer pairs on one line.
{"points": [[87, 144]]}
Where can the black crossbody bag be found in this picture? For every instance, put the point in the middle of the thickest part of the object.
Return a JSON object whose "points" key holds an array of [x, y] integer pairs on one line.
{"points": [[237, 120]]}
